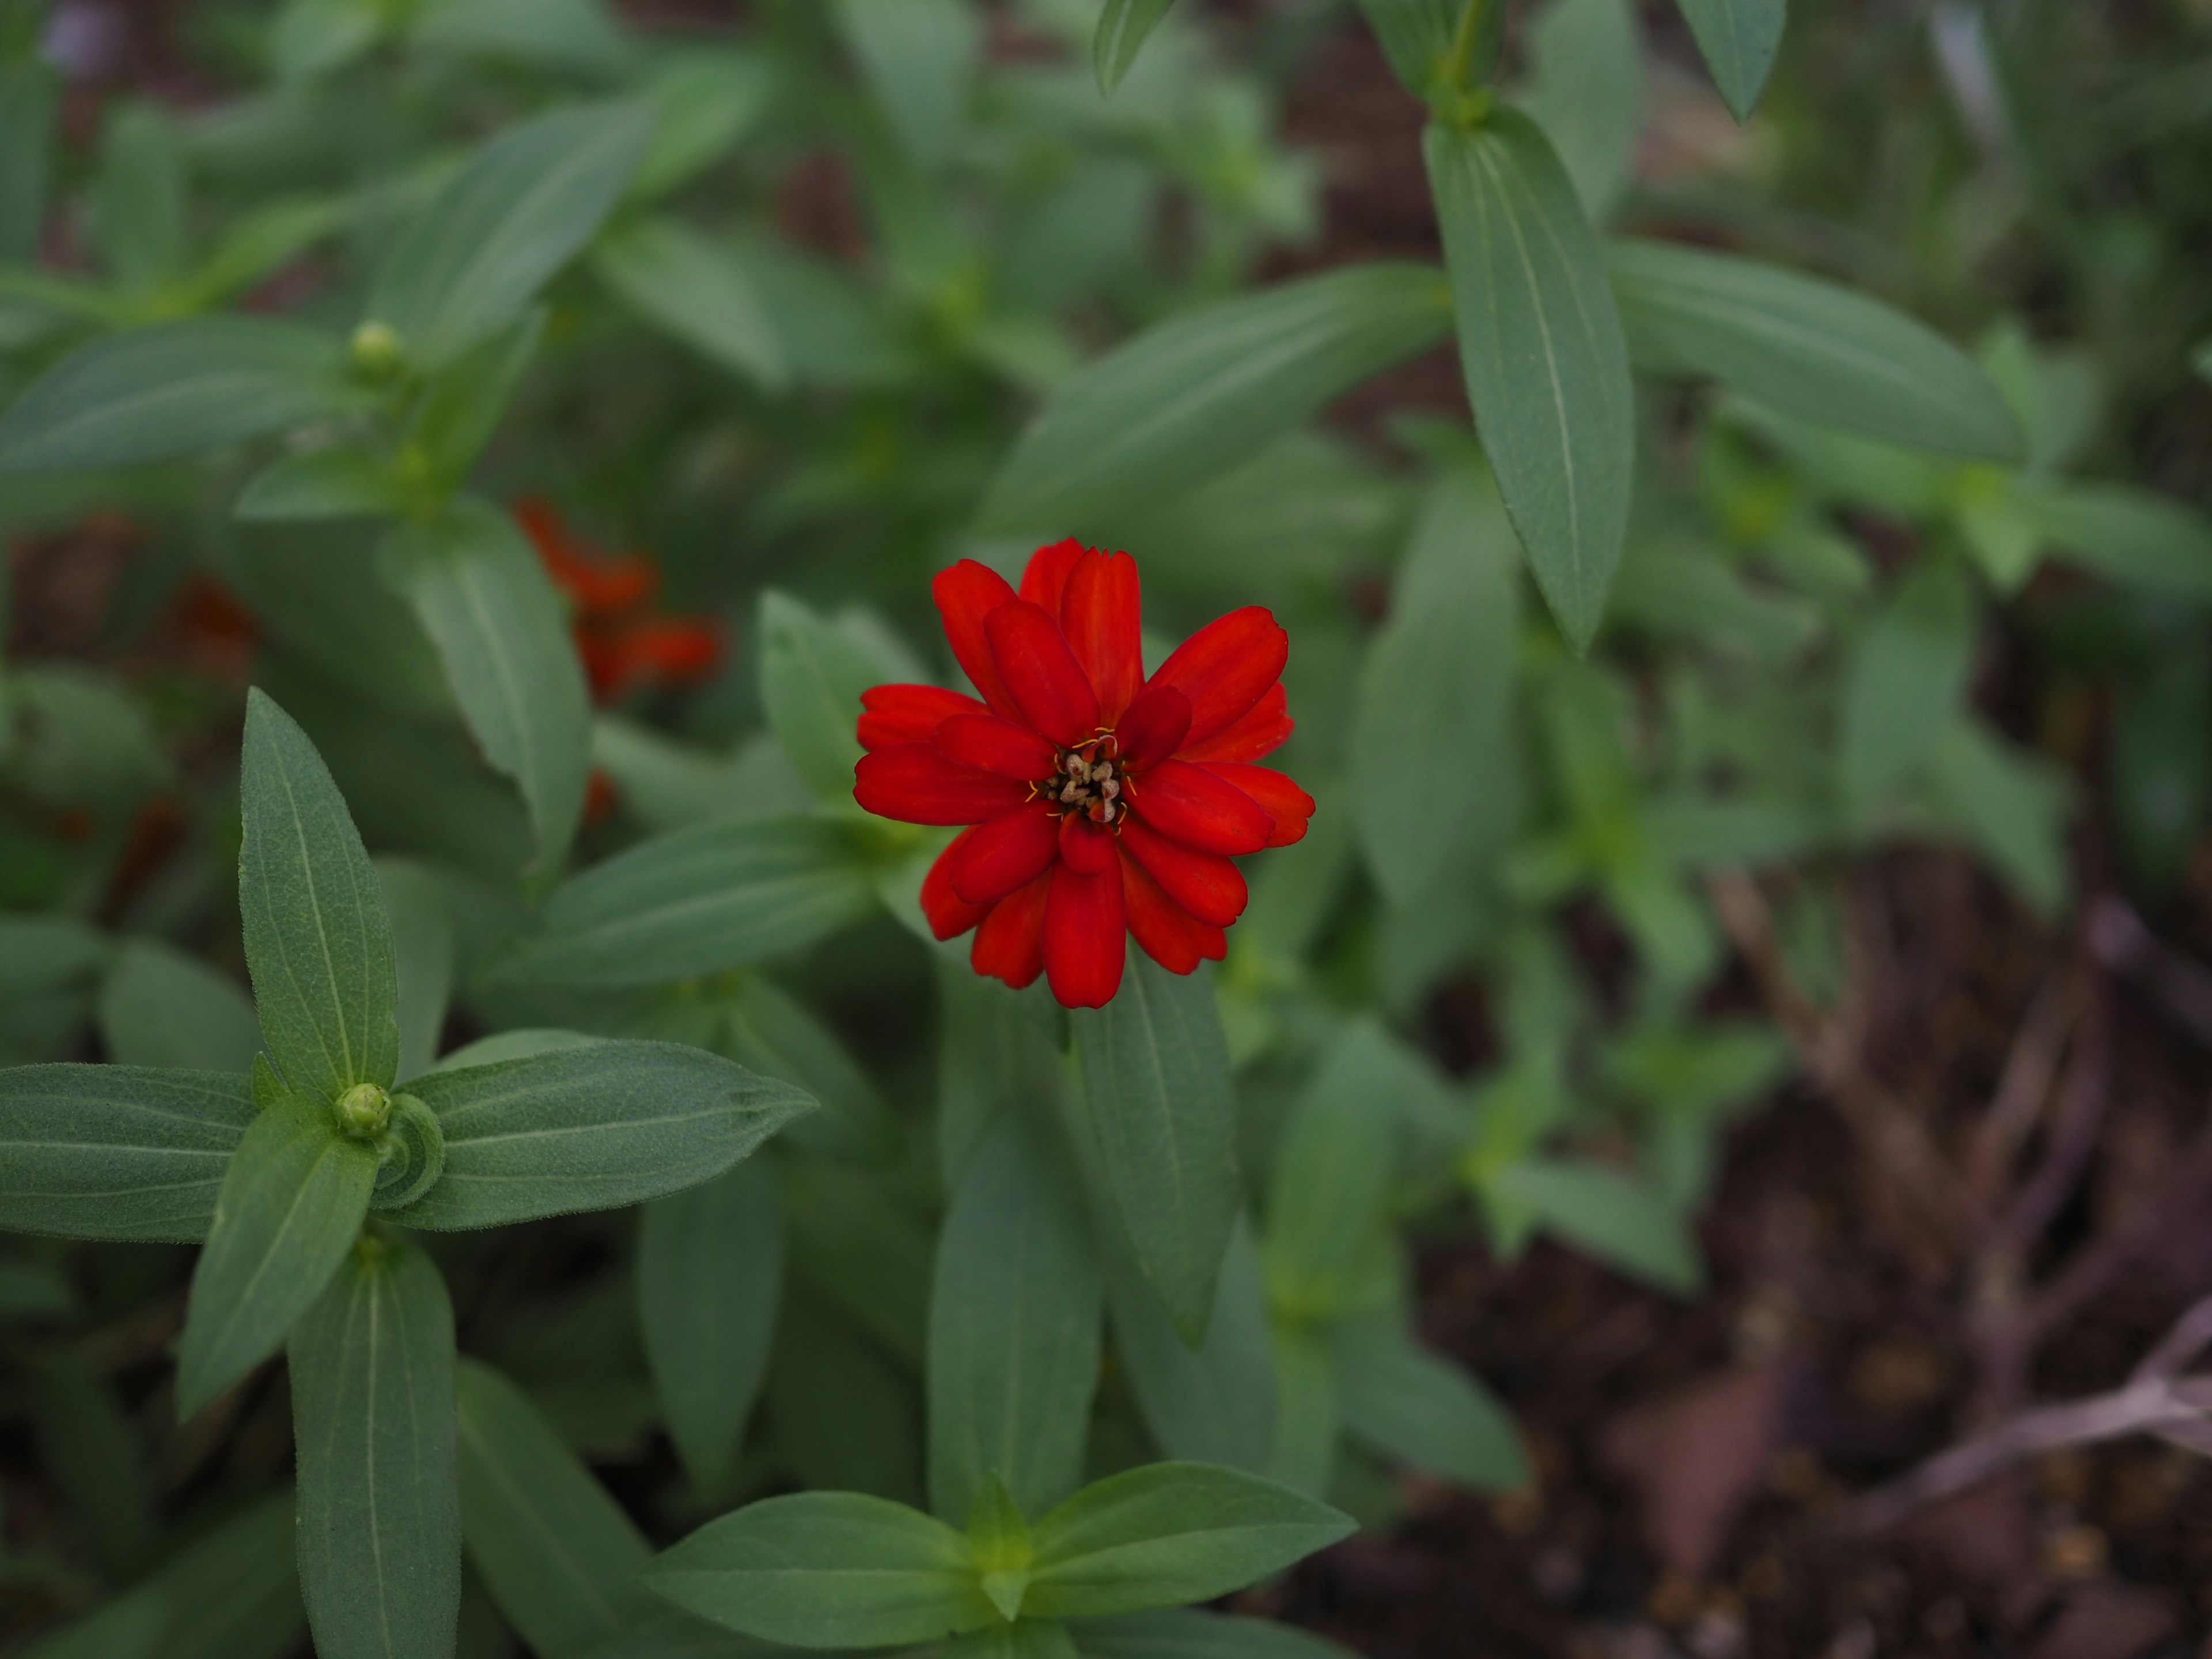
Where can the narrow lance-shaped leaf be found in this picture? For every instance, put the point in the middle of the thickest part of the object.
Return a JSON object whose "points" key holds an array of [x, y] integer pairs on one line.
{"points": [[1907, 676], [422, 952], [1156, 1070], [920, 59], [1415, 1406], [1540, 346], [1587, 69], [709, 1285], [591, 1127], [1416, 37], [291, 1207], [1333, 1167], [698, 291], [500, 629], [827, 1569], [1738, 39], [811, 677], [317, 943], [117, 1151], [177, 389], [1807, 348], [371, 1373], [1124, 25], [30, 92], [1013, 1330], [1189, 399], [161, 1007]]}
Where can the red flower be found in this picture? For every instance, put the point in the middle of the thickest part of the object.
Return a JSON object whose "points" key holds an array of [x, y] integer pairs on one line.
{"points": [[622, 640], [1100, 801]]}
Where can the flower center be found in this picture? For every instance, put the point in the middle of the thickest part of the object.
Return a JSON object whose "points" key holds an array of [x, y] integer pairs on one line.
{"points": [[1089, 781]]}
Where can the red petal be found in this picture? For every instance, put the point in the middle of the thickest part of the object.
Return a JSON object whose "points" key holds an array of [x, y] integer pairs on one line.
{"points": [[673, 648], [1010, 851], [1083, 935], [997, 745], [950, 915], [1263, 730], [1289, 806], [1083, 846], [1044, 582], [1041, 673], [1101, 614], [1010, 943], [1190, 804], [1226, 667], [966, 594], [1153, 726], [1206, 884], [1171, 935], [908, 713], [911, 782]]}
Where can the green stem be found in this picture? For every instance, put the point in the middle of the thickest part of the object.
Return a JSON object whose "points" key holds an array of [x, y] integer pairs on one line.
{"points": [[1459, 62]]}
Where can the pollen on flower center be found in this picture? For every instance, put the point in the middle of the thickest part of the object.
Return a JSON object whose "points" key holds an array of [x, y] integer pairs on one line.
{"points": [[1089, 781]]}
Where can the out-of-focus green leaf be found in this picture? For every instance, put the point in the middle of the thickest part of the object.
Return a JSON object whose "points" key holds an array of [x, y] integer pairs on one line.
{"points": [[2161, 776], [1191, 399], [812, 674], [767, 1028], [138, 197], [1588, 95], [161, 1007], [709, 1283], [919, 57], [476, 254], [707, 99], [842, 1415], [422, 952], [1123, 27], [30, 92], [1187, 1634], [372, 1374], [1412, 1406], [312, 37], [716, 897], [696, 289], [2012, 803], [92, 1450], [1308, 1423], [117, 1151], [176, 389], [2137, 538], [322, 483], [1615, 1218], [1333, 1168], [1738, 39], [458, 410], [1541, 349], [590, 1128], [1808, 348], [575, 37], [1907, 676], [1417, 37]]}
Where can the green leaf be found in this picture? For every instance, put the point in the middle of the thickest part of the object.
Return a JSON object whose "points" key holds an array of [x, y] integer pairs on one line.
{"points": [[1013, 1330], [767, 1028], [857, 1235], [177, 389], [1617, 1218], [1124, 25], [232, 1593], [1187, 1634], [2161, 776], [312, 37], [423, 953], [812, 674], [1808, 348], [484, 600], [567, 36], [1540, 347], [920, 57], [1168, 1534], [1156, 1070], [698, 291], [291, 1207], [827, 1569], [2012, 804], [1587, 92], [591, 1127], [138, 198], [372, 1371], [1026, 1639], [1327, 1195], [1307, 1419], [1412, 1406], [556, 1553], [161, 1007], [842, 1415], [257, 243], [1417, 36], [1431, 745], [716, 897], [995, 1049], [2136, 538], [462, 405], [1191, 398], [1738, 39], [708, 99], [317, 942], [91, 1449], [1907, 674], [709, 1284], [117, 1151], [322, 484], [475, 256], [30, 94]]}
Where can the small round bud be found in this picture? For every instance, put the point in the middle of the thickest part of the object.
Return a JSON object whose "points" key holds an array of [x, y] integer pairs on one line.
{"points": [[377, 350], [364, 1111]]}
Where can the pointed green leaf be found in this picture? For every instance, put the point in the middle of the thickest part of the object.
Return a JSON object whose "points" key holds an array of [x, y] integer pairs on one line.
{"points": [[464, 404], [1191, 398], [771, 1031], [709, 1284], [291, 1207], [1417, 37], [1587, 92], [1308, 1421], [1422, 1410], [1808, 348], [1124, 25], [321, 484], [117, 1151], [591, 1127], [2012, 803], [1738, 39], [719, 895], [92, 1450], [1540, 347], [812, 674], [842, 1415], [1168, 1534], [1013, 1330], [177, 389], [2138, 538], [699, 290], [30, 94], [827, 1569], [1187, 1634], [484, 600], [372, 1370], [1620, 1220], [138, 198], [920, 57], [1907, 676], [422, 956], [161, 1007], [317, 942], [312, 37], [1156, 1070], [1217, 1403], [1328, 1192], [479, 251]]}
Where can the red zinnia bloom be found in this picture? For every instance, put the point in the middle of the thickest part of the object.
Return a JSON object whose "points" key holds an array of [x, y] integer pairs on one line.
{"points": [[1099, 801], [623, 640]]}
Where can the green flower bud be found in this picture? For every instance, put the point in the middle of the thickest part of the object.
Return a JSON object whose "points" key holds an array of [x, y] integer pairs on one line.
{"points": [[364, 1110], [377, 350]]}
